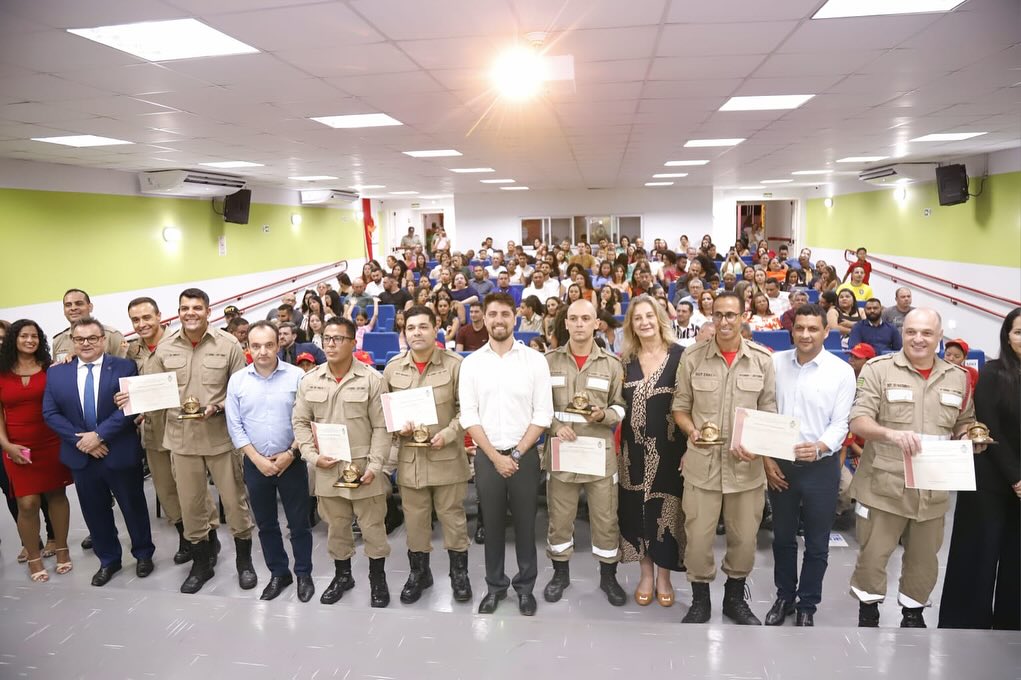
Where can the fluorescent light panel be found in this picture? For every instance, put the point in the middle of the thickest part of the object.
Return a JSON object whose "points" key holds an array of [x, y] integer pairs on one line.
{"points": [[678, 164], [81, 140], [471, 170], [232, 164], [497, 181], [311, 178], [514, 188], [667, 175], [166, 40], [835, 9], [861, 159], [774, 181], [733, 141], [766, 103], [947, 137], [358, 120], [432, 153], [659, 184]]}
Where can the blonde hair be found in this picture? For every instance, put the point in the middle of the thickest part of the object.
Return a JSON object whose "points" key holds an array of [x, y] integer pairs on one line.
{"points": [[632, 344]]}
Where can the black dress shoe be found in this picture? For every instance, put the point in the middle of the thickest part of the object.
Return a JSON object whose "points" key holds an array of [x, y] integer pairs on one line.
{"points": [[103, 576], [143, 568], [275, 586], [779, 612], [804, 619], [87, 543], [306, 588], [490, 601], [480, 534], [526, 604], [868, 615]]}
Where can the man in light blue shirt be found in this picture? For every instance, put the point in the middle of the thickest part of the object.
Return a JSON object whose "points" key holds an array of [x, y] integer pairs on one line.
{"points": [[260, 399], [816, 388]]}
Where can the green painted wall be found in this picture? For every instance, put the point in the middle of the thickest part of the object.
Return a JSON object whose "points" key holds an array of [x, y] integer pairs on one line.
{"points": [[985, 230], [105, 243]]}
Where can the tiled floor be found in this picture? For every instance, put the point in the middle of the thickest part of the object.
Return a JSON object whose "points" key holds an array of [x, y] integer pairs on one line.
{"points": [[147, 629]]}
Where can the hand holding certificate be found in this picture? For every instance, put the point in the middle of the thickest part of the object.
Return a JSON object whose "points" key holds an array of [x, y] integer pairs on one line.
{"points": [[942, 465], [765, 434], [583, 456], [417, 406], [150, 393], [331, 440]]}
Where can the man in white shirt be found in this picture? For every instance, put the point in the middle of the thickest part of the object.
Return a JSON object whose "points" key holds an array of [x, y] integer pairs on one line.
{"points": [[779, 302], [523, 271], [497, 266], [374, 288], [816, 388], [505, 418], [685, 327], [539, 289]]}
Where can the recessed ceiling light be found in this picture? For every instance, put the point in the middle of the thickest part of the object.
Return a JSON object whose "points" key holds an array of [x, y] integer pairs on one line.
{"points": [[774, 181], [766, 103], [368, 186], [358, 120], [811, 172], [497, 181], [750, 188], [835, 9], [514, 188], [311, 178], [432, 153], [403, 193], [676, 164], [232, 164], [861, 159], [733, 141], [166, 40], [947, 137], [665, 175], [81, 140], [659, 184], [471, 170]]}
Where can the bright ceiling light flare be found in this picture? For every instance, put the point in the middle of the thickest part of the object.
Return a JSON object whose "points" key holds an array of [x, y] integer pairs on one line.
{"points": [[432, 153], [731, 141], [836, 9], [497, 181], [358, 120], [659, 184], [947, 137], [775, 181], [518, 73], [311, 178], [514, 188], [166, 40], [81, 140], [668, 175], [681, 164], [766, 103], [467, 171]]}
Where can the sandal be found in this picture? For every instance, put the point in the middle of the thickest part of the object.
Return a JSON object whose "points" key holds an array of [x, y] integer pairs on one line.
{"points": [[50, 549], [23, 555], [64, 567], [41, 576]]}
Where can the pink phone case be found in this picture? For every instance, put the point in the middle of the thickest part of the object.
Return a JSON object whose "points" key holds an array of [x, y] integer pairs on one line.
{"points": [[27, 453]]}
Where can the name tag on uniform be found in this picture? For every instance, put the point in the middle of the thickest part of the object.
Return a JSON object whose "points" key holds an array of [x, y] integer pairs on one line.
{"points": [[950, 399], [900, 395], [558, 381], [601, 384]]}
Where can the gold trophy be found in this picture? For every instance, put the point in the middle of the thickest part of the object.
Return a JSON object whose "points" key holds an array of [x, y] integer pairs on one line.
{"points": [[580, 404], [350, 477], [709, 434], [191, 409], [419, 437], [978, 433]]}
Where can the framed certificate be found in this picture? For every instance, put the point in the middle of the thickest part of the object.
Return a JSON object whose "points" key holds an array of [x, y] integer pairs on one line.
{"points": [[765, 434], [417, 406], [583, 456], [153, 392]]}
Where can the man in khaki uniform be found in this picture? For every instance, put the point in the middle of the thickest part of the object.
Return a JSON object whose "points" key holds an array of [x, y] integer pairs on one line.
{"points": [[903, 399], [581, 368], [435, 476], [78, 305], [347, 392], [713, 379], [146, 321], [204, 358]]}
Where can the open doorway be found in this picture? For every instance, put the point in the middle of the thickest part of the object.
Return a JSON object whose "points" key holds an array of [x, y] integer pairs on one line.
{"points": [[769, 220], [431, 222]]}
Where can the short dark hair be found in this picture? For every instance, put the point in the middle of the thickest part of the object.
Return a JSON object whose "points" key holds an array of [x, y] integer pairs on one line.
{"points": [[876, 300], [343, 279], [420, 310], [727, 294], [143, 301], [687, 303], [286, 307], [347, 324], [811, 310], [194, 294], [829, 296], [773, 281], [280, 327], [267, 324], [77, 290], [498, 298], [237, 322], [87, 321]]}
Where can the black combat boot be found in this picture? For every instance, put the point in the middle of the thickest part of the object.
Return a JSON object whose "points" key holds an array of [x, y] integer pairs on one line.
{"points": [[201, 568], [554, 590], [912, 617], [379, 592], [701, 607], [735, 607], [459, 581], [615, 595], [247, 577], [868, 615], [342, 580], [183, 553], [420, 578]]}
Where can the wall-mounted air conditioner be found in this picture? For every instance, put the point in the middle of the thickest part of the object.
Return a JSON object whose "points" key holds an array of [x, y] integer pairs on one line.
{"points": [[327, 197], [189, 183]]}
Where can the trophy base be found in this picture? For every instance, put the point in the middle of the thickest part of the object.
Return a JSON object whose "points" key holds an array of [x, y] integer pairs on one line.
{"points": [[419, 445], [191, 416], [346, 485], [704, 442], [988, 441], [580, 411]]}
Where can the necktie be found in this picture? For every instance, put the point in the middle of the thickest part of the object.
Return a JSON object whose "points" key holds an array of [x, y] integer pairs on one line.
{"points": [[89, 405]]}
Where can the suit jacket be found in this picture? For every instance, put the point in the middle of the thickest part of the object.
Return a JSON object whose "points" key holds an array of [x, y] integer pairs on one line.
{"points": [[63, 412], [301, 348]]}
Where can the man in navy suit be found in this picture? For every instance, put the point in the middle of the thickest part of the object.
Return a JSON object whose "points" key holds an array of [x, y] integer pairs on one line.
{"points": [[100, 445], [290, 349]]}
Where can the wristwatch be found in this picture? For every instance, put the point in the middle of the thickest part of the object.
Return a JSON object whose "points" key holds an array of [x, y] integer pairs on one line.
{"points": [[515, 455], [296, 452]]}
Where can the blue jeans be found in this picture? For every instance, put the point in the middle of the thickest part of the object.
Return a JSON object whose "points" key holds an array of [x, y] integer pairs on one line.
{"points": [[293, 489], [811, 496]]}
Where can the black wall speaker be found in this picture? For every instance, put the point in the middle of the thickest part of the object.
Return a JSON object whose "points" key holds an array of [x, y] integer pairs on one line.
{"points": [[952, 184], [235, 207]]}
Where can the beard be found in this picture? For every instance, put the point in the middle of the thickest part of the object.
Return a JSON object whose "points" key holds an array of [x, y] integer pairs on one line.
{"points": [[499, 333]]}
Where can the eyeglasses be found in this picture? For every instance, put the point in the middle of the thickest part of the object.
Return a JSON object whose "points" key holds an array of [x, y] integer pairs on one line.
{"points": [[90, 340], [335, 339], [730, 317]]}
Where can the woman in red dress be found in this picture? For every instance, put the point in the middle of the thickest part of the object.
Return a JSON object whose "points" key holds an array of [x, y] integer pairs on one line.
{"points": [[31, 451]]}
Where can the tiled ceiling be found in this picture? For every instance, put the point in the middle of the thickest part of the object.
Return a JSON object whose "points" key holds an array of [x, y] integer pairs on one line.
{"points": [[650, 74]]}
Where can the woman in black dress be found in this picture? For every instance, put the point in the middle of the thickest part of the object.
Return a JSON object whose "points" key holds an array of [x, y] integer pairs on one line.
{"points": [[650, 515], [981, 588]]}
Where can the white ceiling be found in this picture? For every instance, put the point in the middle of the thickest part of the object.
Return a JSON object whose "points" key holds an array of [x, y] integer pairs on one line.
{"points": [[650, 74]]}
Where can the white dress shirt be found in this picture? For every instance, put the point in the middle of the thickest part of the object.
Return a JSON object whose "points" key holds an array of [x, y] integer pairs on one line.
{"points": [[819, 394], [503, 406], [83, 373], [779, 304], [373, 289], [540, 293]]}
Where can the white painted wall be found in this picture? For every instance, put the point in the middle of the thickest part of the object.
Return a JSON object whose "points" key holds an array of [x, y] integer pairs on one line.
{"points": [[400, 214]]}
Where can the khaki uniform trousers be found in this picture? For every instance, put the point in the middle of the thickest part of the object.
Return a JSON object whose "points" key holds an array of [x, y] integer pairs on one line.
{"points": [[166, 487], [878, 535], [562, 503], [448, 499], [742, 513], [193, 491], [371, 513]]}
